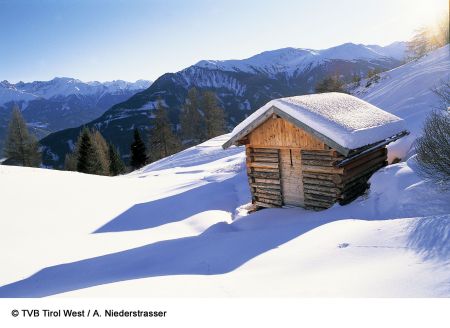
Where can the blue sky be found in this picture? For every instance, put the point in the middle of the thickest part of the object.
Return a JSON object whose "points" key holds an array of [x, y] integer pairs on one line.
{"points": [[133, 39]]}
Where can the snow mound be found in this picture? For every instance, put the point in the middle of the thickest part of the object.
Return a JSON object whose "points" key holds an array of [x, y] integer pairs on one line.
{"points": [[347, 120]]}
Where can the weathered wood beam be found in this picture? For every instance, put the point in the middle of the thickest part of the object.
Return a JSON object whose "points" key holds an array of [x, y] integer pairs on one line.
{"points": [[263, 170], [264, 150], [261, 154], [260, 194], [265, 185], [319, 152], [265, 175], [321, 192], [315, 203], [268, 181], [264, 159], [261, 204], [322, 198], [269, 201], [263, 165], [318, 182], [336, 178], [274, 192], [317, 158], [309, 187], [318, 162], [317, 169]]}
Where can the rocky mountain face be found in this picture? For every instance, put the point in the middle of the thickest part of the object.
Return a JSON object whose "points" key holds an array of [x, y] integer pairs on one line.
{"points": [[61, 103], [242, 86]]}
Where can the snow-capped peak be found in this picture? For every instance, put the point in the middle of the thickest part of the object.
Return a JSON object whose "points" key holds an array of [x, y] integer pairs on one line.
{"points": [[64, 86], [288, 60]]}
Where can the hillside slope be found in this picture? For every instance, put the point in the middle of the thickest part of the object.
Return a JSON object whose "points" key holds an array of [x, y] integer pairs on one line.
{"points": [[179, 227], [406, 91]]}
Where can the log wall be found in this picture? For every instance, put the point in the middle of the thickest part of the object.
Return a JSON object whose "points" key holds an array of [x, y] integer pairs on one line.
{"points": [[322, 181], [325, 184], [358, 172], [288, 166], [264, 178]]}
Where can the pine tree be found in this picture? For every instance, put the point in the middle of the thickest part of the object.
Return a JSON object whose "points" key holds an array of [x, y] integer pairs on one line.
{"points": [[163, 142], [93, 155], [356, 79], [192, 121], [70, 162], [330, 84], [214, 115], [116, 165], [101, 154], [21, 147], [138, 151], [373, 72], [86, 161]]}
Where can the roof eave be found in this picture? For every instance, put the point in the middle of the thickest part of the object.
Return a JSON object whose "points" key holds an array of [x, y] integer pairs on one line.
{"points": [[249, 128]]}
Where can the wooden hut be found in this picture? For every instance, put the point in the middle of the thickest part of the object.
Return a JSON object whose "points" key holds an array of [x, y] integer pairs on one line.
{"points": [[314, 150]]}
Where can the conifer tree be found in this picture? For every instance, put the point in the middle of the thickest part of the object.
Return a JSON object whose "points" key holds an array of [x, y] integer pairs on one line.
{"points": [[70, 162], [101, 154], [356, 79], [330, 84], [163, 142], [71, 159], [93, 155], [138, 151], [214, 115], [191, 120], [21, 147], [86, 153], [116, 165]]}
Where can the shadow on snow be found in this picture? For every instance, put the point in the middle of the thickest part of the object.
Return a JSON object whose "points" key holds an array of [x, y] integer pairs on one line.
{"points": [[211, 196], [220, 249]]}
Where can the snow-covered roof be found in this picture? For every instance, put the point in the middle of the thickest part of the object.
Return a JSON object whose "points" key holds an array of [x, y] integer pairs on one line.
{"points": [[342, 121]]}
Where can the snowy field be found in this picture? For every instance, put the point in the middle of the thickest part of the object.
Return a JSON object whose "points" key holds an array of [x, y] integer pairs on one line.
{"points": [[179, 227]]}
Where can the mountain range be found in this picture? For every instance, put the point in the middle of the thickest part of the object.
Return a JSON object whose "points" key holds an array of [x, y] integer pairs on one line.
{"points": [[61, 103], [242, 86]]}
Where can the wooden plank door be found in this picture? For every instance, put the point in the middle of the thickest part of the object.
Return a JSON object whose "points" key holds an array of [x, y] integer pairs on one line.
{"points": [[291, 177], [263, 171]]}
